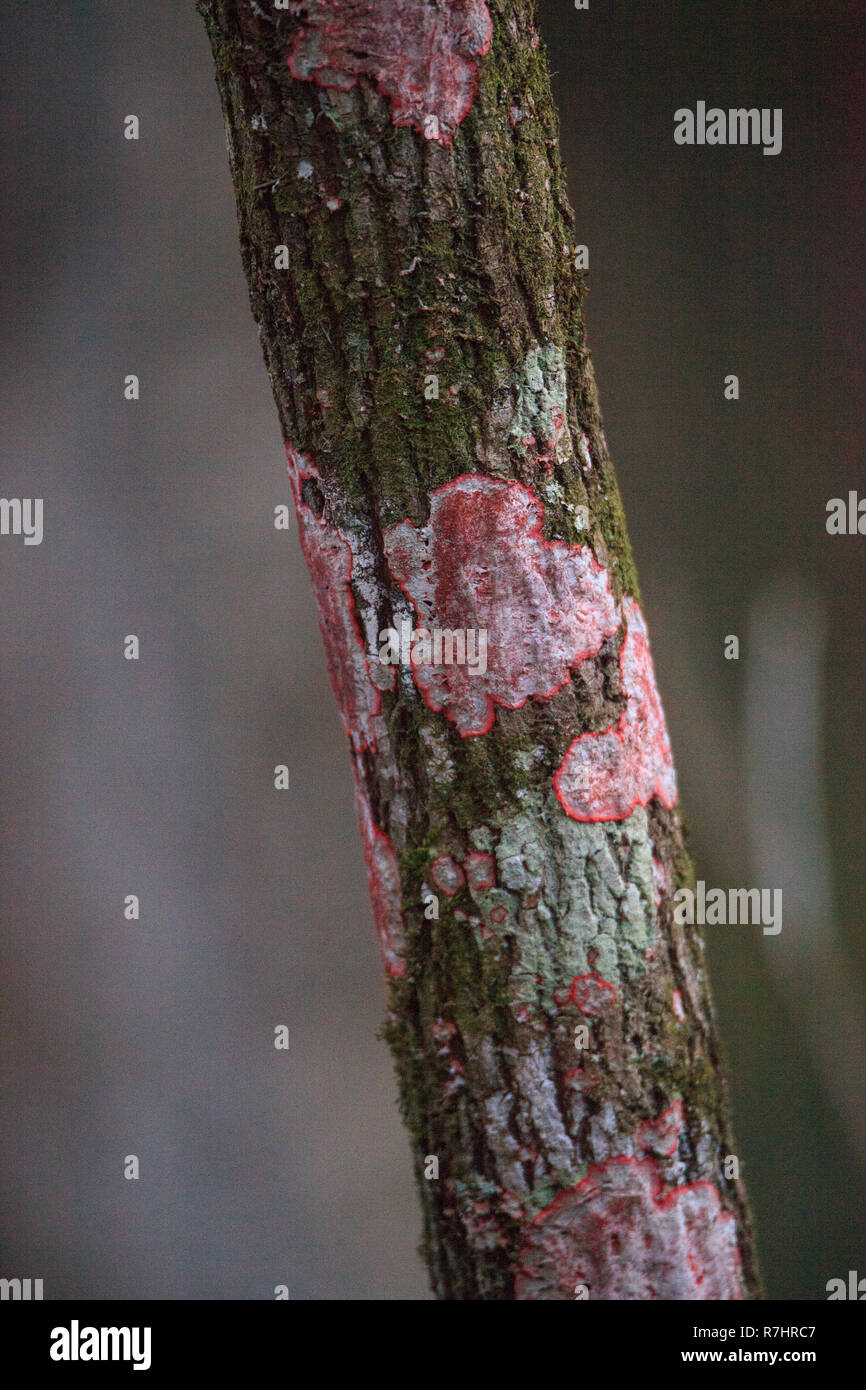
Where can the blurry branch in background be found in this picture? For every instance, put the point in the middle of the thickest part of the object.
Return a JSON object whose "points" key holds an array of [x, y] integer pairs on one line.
{"points": [[787, 829]]}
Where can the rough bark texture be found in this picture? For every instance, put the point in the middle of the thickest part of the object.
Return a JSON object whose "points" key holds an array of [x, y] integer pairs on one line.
{"points": [[424, 334]]}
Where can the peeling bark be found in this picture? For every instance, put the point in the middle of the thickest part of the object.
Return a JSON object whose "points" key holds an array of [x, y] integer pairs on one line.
{"points": [[424, 335]]}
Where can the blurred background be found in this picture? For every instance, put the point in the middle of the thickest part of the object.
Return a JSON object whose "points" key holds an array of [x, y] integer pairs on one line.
{"points": [[155, 1038]]}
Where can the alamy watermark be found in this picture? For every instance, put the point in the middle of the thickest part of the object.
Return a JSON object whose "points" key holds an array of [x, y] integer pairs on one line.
{"points": [[854, 1289], [77, 1343], [22, 516], [434, 646], [738, 125], [741, 907], [846, 518], [21, 1290]]}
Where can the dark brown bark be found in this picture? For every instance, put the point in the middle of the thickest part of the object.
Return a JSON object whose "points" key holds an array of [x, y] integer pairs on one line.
{"points": [[446, 250]]}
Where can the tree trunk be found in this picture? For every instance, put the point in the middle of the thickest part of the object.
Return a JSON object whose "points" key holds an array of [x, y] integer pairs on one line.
{"points": [[412, 263]]}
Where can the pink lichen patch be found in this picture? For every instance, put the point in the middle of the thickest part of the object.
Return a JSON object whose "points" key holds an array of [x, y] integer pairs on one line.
{"points": [[605, 776], [330, 562], [583, 450], [660, 881], [510, 1204], [661, 1136], [447, 876], [617, 1233], [480, 871], [581, 1079], [456, 1080], [482, 1228], [383, 875], [444, 1031], [498, 914], [419, 55], [677, 1005], [482, 565], [546, 451], [592, 995]]}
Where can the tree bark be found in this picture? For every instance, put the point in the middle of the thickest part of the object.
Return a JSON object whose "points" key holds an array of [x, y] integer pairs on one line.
{"points": [[412, 264]]}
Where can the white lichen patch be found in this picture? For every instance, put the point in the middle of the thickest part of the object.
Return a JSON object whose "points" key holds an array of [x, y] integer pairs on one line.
{"points": [[439, 761], [605, 1133], [505, 1147], [627, 1237], [538, 1095]]}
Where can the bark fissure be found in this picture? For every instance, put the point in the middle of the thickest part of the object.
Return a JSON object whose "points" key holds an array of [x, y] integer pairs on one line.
{"points": [[413, 257]]}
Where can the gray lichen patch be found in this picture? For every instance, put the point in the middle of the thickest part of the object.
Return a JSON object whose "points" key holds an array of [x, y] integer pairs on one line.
{"points": [[585, 893], [542, 402]]}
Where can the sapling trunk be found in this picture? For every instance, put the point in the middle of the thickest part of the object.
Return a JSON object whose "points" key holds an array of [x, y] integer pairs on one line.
{"points": [[416, 274]]}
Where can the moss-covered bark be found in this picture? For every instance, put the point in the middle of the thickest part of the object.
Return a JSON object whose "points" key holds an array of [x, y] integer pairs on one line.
{"points": [[409, 258]]}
